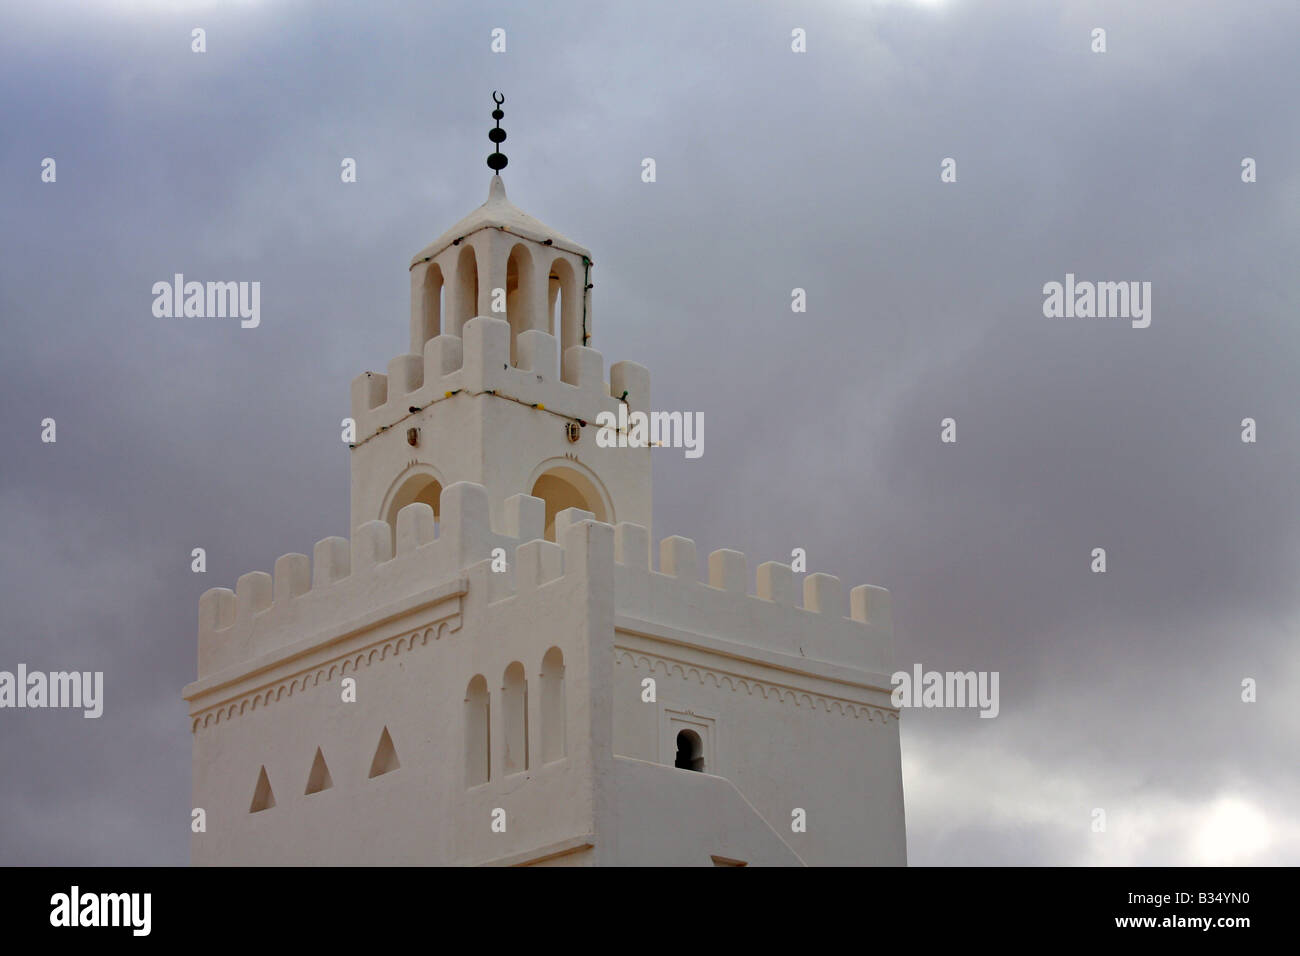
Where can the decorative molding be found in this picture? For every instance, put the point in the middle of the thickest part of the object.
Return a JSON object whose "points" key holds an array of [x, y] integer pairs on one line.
{"points": [[764, 689], [312, 676]]}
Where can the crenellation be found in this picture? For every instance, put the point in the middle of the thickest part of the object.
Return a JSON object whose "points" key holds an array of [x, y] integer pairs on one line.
{"points": [[416, 527], [369, 391], [525, 517], [487, 353], [822, 594], [372, 544], [632, 545], [871, 605], [770, 619], [253, 591], [480, 362], [568, 518], [331, 561], [537, 562], [443, 355], [629, 382], [588, 548], [405, 375], [584, 368], [776, 583], [216, 609], [728, 570], [433, 551], [292, 577], [466, 522], [677, 559], [538, 353]]}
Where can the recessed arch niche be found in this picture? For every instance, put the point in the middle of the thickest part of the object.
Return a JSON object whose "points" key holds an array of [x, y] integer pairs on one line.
{"points": [[567, 485]]}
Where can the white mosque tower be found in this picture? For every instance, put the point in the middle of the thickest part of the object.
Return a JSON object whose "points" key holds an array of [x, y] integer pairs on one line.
{"points": [[491, 670]]}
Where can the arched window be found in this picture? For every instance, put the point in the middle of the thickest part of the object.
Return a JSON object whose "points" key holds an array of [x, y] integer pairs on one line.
{"points": [[552, 705], [466, 304], [690, 751], [478, 759], [418, 488], [430, 305], [514, 706], [563, 488], [564, 298], [519, 292]]}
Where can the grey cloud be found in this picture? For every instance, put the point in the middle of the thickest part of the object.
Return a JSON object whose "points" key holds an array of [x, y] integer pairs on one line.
{"points": [[775, 171]]}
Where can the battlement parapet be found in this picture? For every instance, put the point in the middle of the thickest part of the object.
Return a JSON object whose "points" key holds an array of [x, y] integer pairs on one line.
{"points": [[342, 578], [572, 385], [770, 618]]}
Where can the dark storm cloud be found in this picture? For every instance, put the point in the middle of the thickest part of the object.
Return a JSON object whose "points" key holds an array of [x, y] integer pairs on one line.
{"points": [[819, 171]]}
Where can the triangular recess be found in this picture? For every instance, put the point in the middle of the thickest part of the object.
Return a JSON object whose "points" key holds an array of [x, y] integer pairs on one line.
{"points": [[263, 798], [319, 778], [385, 756]]}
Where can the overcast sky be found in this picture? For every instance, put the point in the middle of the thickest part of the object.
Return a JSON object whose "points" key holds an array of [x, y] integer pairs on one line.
{"points": [[775, 170]]}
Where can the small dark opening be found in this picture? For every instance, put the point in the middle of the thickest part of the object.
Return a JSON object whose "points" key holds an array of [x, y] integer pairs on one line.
{"points": [[690, 751]]}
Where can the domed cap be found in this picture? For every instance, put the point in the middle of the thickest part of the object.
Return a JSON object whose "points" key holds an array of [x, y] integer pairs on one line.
{"points": [[499, 213]]}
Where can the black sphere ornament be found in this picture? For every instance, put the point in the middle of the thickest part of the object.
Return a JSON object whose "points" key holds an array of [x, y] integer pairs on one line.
{"points": [[497, 161]]}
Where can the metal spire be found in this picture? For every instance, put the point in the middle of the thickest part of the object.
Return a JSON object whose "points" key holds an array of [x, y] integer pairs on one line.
{"points": [[497, 161]]}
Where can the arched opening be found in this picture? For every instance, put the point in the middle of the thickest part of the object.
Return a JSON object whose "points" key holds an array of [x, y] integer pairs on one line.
{"points": [[563, 488], [565, 305], [552, 297], [690, 751], [421, 488], [430, 304], [477, 732], [552, 705], [514, 706], [466, 290], [519, 290]]}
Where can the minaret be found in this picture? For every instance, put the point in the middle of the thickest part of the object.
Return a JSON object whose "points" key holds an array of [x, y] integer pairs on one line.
{"points": [[493, 668], [500, 386]]}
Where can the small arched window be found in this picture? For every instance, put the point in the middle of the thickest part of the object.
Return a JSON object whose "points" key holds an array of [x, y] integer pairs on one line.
{"points": [[514, 703], [427, 307], [564, 300], [477, 733], [466, 302], [553, 705], [519, 291], [690, 751]]}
